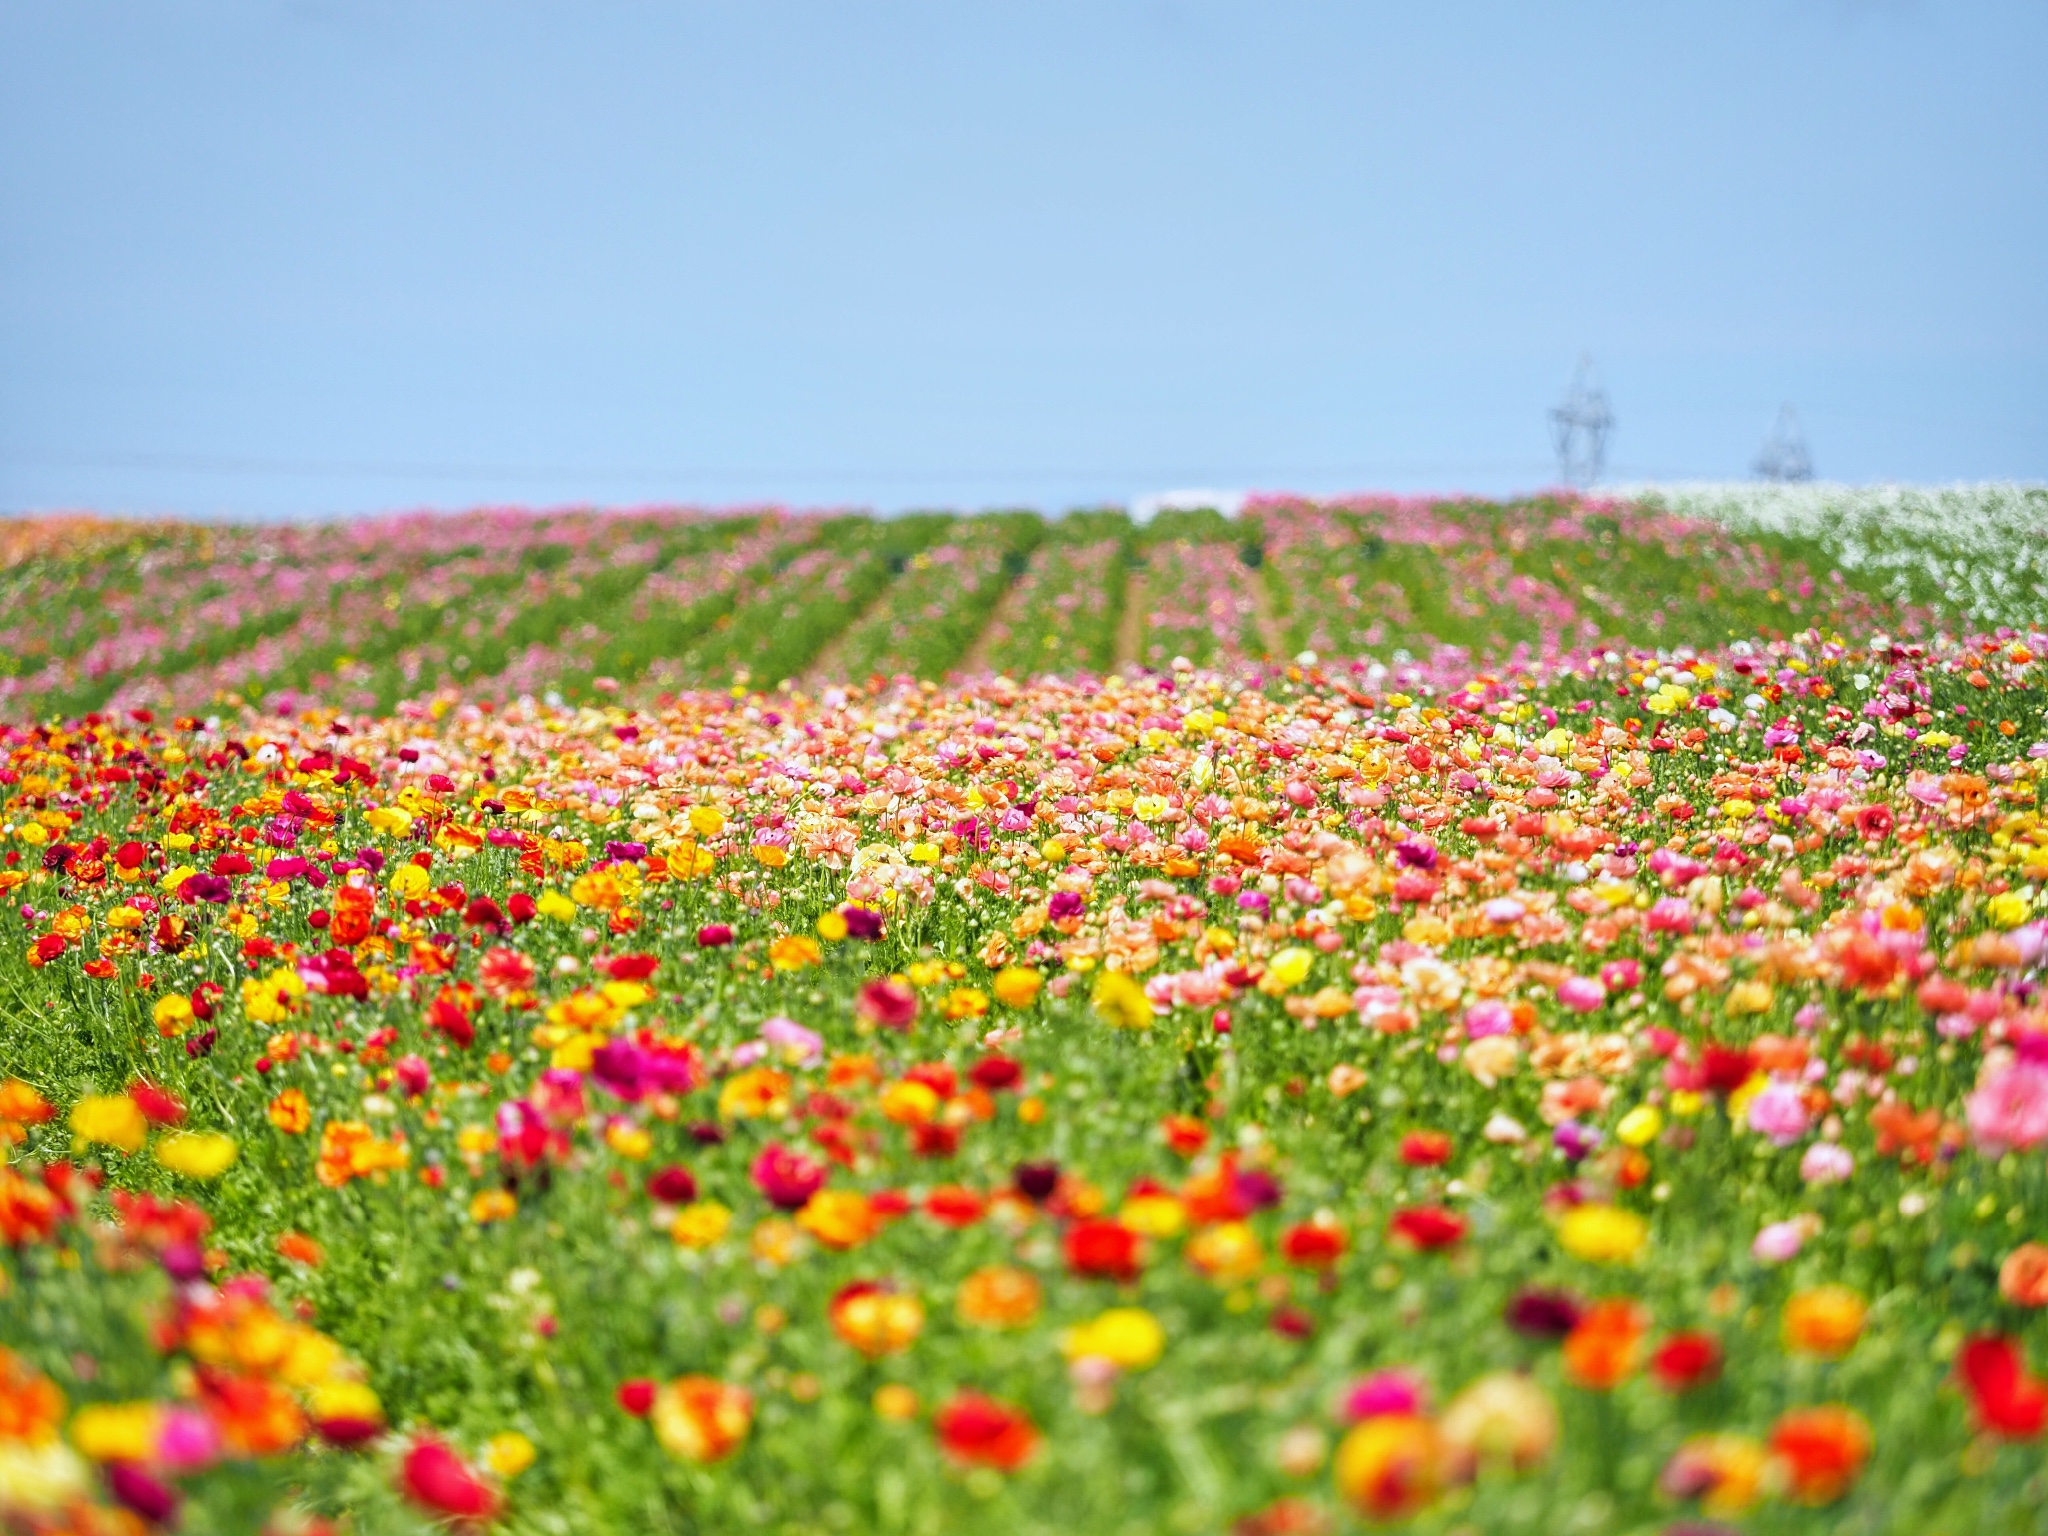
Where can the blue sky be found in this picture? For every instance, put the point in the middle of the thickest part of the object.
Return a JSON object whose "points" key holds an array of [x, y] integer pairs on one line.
{"points": [[295, 258]]}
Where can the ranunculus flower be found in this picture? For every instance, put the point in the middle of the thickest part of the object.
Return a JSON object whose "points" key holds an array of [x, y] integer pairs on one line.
{"points": [[984, 1432], [787, 1178], [439, 1481]]}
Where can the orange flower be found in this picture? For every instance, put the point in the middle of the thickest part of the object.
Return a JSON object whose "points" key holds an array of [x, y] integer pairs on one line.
{"points": [[1184, 1134], [1822, 1450], [876, 1319], [1825, 1321], [1390, 1466], [839, 1218], [2023, 1277], [350, 1150], [998, 1296], [290, 1112], [1605, 1345], [28, 1211], [256, 1417], [21, 1105], [31, 1405], [300, 1249], [702, 1419]]}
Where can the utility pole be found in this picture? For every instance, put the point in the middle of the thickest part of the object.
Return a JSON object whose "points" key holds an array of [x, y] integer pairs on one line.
{"points": [[1784, 457], [1579, 425]]}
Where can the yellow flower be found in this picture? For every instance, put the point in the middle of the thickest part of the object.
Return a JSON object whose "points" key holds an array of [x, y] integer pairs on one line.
{"points": [[927, 853], [1120, 1001], [964, 1003], [491, 1205], [1227, 1252], [509, 1453], [700, 1225], [270, 1000], [117, 1431], [832, 926], [1154, 1215], [197, 1154], [1017, 986], [628, 1140], [706, 820], [2008, 910], [1603, 1234], [895, 1402], [910, 1102], [409, 882], [794, 951], [757, 1093], [1130, 1338], [553, 904], [1639, 1127], [345, 1399], [1287, 970], [109, 1120], [172, 1013]]}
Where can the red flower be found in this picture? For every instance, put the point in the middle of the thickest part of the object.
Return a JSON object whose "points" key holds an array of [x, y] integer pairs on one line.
{"points": [[1313, 1245], [159, 1106], [632, 967], [673, 1185], [1724, 1068], [2007, 1401], [1686, 1360], [1425, 1149], [48, 948], [435, 1478], [787, 1177], [1426, 1227], [637, 1396], [996, 1073], [981, 1431], [1874, 822], [951, 1205], [1103, 1249], [887, 1002]]}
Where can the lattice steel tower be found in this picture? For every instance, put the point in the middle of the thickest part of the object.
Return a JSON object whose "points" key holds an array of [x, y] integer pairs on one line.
{"points": [[1784, 456], [1579, 426]]}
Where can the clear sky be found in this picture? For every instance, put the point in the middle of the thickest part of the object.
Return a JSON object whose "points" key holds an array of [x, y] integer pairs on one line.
{"points": [[290, 258]]}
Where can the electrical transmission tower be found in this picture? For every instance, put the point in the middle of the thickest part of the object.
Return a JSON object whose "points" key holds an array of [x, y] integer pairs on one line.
{"points": [[1784, 456], [1579, 425]]}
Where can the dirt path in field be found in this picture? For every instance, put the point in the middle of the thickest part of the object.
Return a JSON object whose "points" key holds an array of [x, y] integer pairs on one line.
{"points": [[1272, 639], [975, 662], [1130, 624], [825, 668]]}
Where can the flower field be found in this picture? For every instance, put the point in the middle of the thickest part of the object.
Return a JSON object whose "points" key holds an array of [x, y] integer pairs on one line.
{"points": [[657, 1022]]}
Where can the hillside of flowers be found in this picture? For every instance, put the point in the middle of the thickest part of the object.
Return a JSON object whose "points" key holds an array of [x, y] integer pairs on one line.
{"points": [[1279, 1026]]}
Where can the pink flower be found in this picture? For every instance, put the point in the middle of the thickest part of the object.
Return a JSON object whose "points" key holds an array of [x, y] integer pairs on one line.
{"points": [[1779, 1241], [1779, 1112], [787, 1177], [1581, 994], [1826, 1163], [1490, 1016], [791, 1040], [2010, 1108], [1385, 1392]]}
